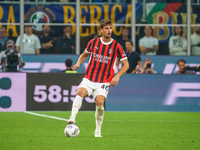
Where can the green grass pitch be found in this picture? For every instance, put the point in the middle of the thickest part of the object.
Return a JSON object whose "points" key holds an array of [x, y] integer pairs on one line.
{"points": [[120, 131]]}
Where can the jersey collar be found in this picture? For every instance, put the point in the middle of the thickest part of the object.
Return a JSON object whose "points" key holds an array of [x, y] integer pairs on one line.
{"points": [[106, 43]]}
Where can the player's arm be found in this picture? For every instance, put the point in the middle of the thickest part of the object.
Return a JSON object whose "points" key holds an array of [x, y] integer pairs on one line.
{"points": [[125, 66], [81, 59], [117, 64]]}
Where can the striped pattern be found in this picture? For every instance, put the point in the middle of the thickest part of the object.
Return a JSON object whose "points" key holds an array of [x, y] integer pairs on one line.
{"points": [[102, 60]]}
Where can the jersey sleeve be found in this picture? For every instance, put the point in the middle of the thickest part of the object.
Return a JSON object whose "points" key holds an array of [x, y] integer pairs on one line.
{"points": [[121, 53], [89, 46]]}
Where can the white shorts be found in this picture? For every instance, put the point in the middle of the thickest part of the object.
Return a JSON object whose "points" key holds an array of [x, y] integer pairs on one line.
{"points": [[95, 88]]}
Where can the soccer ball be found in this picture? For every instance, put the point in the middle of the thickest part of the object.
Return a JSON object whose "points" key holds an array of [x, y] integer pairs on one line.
{"points": [[71, 130]]}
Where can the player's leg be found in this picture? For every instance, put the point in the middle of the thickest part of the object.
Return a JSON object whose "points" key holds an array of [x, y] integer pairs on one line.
{"points": [[77, 103], [99, 114]]}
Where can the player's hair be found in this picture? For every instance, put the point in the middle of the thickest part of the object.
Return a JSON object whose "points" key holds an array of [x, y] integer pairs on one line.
{"points": [[68, 62], [181, 60], [105, 22]]}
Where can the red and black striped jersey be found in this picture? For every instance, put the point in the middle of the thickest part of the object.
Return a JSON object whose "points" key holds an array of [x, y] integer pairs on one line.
{"points": [[102, 59]]}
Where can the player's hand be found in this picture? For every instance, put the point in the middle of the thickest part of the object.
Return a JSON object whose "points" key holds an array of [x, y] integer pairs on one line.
{"points": [[75, 67], [114, 81]]}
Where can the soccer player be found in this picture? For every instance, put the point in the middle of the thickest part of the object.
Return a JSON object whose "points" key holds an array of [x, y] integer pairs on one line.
{"points": [[99, 76]]}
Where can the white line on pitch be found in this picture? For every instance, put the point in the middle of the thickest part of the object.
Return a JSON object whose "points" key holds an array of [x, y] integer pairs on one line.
{"points": [[46, 116], [137, 121]]}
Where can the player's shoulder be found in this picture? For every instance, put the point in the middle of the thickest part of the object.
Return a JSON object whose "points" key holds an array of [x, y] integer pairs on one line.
{"points": [[117, 43], [94, 39], [113, 40]]}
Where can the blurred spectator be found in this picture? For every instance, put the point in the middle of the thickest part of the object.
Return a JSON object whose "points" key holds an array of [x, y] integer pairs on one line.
{"points": [[176, 1], [178, 42], [148, 45], [66, 42], [68, 64], [182, 68], [133, 58], [124, 37], [31, 42], [3, 38], [47, 40], [195, 41], [64, 0], [162, 1], [147, 68], [94, 36], [10, 58]]}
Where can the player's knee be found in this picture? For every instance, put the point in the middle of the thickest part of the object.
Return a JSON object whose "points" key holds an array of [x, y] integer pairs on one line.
{"points": [[100, 100], [82, 92]]}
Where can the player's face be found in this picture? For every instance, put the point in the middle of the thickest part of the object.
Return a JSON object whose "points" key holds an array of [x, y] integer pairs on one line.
{"points": [[106, 31], [181, 66]]}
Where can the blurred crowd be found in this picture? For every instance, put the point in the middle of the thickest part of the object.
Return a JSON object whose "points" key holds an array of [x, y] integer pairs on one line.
{"points": [[46, 43], [146, 44]]}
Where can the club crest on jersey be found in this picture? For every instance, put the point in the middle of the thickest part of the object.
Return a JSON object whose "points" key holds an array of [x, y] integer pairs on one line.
{"points": [[110, 51], [124, 54]]}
